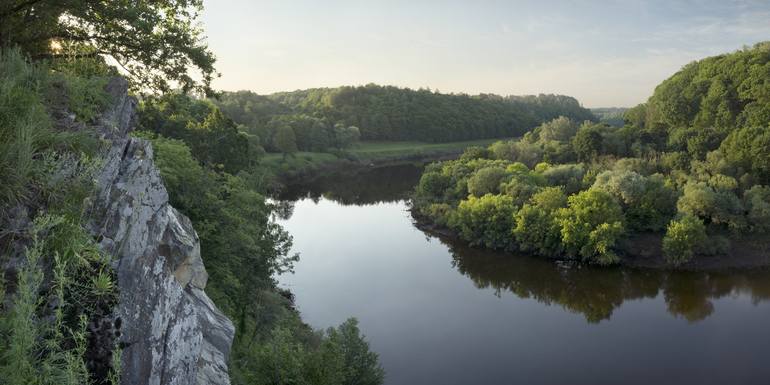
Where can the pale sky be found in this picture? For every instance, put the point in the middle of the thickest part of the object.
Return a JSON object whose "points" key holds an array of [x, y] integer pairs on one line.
{"points": [[604, 53]]}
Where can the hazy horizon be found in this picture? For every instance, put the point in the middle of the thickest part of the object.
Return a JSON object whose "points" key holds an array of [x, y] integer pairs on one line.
{"points": [[605, 55]]}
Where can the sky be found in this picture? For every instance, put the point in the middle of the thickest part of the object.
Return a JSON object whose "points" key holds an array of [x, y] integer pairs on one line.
{"points": [[604, 53]]}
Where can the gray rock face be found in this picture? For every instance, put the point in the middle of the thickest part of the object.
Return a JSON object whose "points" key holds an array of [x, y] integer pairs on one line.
{"points": [[172, 332]]}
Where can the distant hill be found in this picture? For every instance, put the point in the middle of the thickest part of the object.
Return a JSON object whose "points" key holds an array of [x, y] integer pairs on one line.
{"points": [[393, 113]]}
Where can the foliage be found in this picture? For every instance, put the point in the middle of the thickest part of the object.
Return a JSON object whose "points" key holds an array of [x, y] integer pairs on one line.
{"points": [[155, 42], [285, 141], [486, 181], [683, 237], [591, 224], [561, 129], [648, 202], [757, 204], [391, 113], [537, 229], [44, 344], [587, 142], [712, 205], [214, 139], [485, 221]]}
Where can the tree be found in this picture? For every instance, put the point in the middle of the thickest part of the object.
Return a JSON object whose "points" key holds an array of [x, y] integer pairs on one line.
{"points": [[485, 221], [648, 202], [757, 202], [537, 229], [712, 206], [591, 224], [486, 181], [155, 42], [432, 186], [359, 363], [213, 137], [683, 237], [748, 150], [587, 143], [285, 140], [569, 176], [560, 129], [346, 136]]}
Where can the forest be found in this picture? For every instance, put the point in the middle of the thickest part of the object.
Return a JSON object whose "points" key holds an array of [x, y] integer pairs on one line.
{"points": [[691, 165], [327, 119]]}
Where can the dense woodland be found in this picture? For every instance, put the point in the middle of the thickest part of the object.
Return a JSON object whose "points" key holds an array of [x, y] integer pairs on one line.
{"points": [[691, 164], [326, 119], [55, 280]]}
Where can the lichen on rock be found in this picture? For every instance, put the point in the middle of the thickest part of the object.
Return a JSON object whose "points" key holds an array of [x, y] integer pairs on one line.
{"points": [[172, 332]]}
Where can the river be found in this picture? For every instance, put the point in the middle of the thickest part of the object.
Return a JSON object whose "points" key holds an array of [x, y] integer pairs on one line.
{"points": [[438, 312]]}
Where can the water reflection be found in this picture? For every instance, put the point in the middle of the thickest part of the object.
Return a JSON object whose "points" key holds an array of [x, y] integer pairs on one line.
{"points": [[358, 185], [595, 292]]}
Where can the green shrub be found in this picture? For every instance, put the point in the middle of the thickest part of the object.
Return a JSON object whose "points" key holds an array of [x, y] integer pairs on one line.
{"points": [[683, 238], [591, 224], [34, 349], [537, 229], [486, 221]]}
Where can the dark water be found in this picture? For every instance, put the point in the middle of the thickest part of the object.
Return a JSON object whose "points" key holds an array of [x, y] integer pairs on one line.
{"points": [[441, 313]]}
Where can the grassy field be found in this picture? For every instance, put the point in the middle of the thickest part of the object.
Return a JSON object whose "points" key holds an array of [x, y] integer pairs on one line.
{"points": [[376, 150], [367, 152]]}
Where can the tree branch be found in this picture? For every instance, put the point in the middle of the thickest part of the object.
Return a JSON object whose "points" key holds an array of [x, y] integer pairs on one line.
{"points": [[18, 8]]}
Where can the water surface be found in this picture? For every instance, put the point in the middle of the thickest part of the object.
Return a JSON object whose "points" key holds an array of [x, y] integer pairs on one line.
{"points": [[442, 313]]}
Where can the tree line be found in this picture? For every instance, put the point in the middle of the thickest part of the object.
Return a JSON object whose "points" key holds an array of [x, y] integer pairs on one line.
{"points": [[332, 118]]}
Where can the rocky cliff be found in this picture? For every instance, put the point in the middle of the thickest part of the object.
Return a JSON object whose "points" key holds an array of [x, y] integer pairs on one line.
{"points": [[171, 332]]}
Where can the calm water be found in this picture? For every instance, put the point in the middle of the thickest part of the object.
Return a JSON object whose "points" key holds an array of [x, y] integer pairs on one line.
{"points": [[441, 313]]}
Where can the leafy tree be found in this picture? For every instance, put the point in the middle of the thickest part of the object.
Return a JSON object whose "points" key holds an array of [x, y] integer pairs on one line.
{"points": [[757, 203], [748, 150], [212, 137], [587, 143], [537, 229], [486, 181], [474, 152], [432, 186], [155, 42], [486, 221], [591, 224], [683, 237], [568, 176], [517, 151], [648, 202], [359, 363], [346, 136], [560, 129], [712, 206], [285, 141]]}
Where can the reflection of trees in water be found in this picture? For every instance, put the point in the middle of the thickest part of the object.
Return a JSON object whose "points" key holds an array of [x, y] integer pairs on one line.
{"points": [[595, 292], [359, 186], [284, 209]]}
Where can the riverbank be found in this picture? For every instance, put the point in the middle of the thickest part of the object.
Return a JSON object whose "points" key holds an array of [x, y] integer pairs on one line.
{"points": [[303, 165], [645, 250]]}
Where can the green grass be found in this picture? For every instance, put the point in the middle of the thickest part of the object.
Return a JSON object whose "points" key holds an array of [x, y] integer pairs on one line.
{"points": [[377, 150], [367, 151]]}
